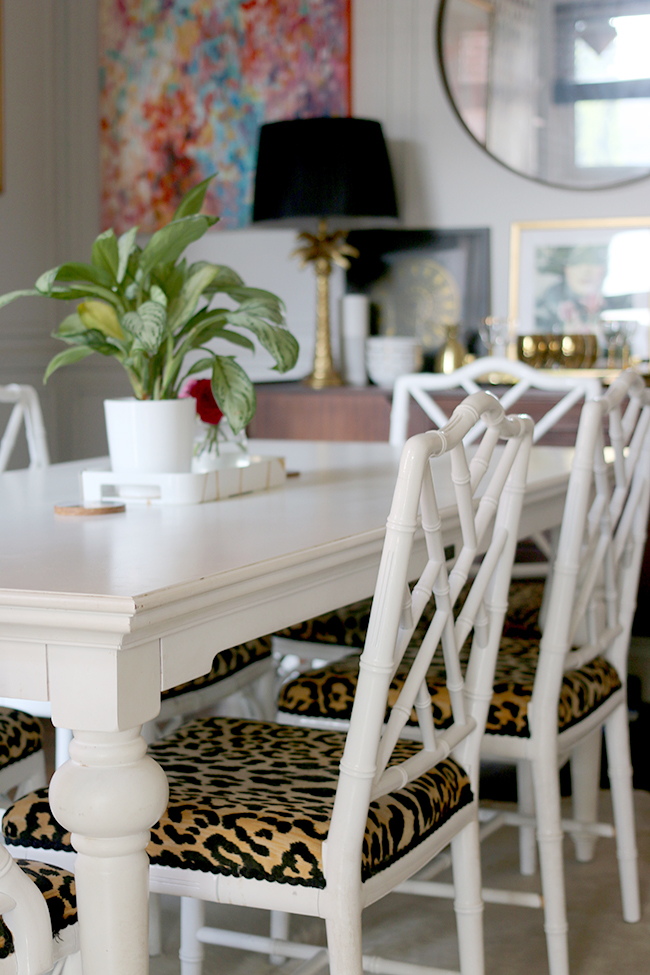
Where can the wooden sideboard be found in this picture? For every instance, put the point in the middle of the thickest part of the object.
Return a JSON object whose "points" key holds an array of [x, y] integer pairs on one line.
{"points": [[294, 411]]}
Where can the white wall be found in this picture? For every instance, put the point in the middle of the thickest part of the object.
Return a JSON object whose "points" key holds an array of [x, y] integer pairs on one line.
{"points": [[27, 201], [444, 178], [49, 206]]}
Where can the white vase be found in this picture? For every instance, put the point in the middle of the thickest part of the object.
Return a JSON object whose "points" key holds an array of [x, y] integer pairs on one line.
{"points": [[150, 436]]}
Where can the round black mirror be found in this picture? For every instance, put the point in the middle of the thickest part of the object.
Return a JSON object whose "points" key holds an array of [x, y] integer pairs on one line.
{"points": [[558, 92]]}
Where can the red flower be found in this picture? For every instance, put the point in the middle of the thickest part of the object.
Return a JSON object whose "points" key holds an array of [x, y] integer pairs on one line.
{"points": [[206, 405]]}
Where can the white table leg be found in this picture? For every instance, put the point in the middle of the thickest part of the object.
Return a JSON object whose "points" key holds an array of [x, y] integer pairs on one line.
{"points": [[109, 795]]}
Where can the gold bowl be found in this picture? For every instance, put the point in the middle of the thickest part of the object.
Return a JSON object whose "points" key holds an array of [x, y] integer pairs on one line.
{"points": [[564, 351]]}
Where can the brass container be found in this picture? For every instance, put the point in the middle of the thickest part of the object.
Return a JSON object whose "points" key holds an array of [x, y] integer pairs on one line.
{"points": [[563, 351], [451, 354]]}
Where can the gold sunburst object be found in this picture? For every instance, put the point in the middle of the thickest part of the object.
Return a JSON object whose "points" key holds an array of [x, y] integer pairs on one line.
{"points": [[323, 250]]}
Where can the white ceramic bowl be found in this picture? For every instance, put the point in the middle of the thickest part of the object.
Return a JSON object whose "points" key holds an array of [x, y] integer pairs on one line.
{"points": [[390, 356]]}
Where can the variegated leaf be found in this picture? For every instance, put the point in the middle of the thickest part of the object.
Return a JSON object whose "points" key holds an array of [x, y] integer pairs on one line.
{"points": [[125, 247], [146, 325], [233, 391]]}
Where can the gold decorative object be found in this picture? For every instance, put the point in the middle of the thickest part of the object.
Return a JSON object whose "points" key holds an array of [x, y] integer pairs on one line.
{"points": [[451, 355], [323, 250], [566, 351]]}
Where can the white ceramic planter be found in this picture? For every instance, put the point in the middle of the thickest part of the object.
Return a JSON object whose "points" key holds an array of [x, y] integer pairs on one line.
{"points": [[150, 436]]}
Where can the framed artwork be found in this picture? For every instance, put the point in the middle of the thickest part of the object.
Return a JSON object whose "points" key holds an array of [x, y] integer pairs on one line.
{"points": [[185, 85], [419, 282], [583, 277]]}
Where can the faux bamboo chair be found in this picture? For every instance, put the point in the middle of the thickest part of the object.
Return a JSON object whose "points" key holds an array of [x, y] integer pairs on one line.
{"points": [[333, 636], [420, 386], [553, 693], [587, 632], [251, 822], [27, 410], [345, 628], [38, 918], [22, 759]]}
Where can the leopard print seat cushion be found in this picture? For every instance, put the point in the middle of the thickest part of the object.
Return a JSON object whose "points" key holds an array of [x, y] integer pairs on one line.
{"points": [[57, 887], [20, 736], [255, 800], [328, 692], [347, 627], [225, 664]]}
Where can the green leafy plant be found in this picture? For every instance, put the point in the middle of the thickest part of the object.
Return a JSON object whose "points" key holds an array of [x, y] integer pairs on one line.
{"points": [[149, 309]]}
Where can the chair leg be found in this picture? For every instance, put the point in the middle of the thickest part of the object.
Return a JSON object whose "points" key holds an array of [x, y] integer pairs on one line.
{"points": [[62, 739], [617, 738], [585, 785], [266, 695], [280, 930], [546, 783], [191, 949], [36, 780], [468, 905], [526, 806], [155, 933], [344, 943], [70, 965]]}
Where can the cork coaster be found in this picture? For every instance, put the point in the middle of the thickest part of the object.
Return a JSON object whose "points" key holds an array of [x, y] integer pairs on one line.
{"points": [[91, 508]]}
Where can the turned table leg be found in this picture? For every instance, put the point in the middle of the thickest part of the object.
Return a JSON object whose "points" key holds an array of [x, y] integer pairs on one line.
{"points": [[109, 795]]}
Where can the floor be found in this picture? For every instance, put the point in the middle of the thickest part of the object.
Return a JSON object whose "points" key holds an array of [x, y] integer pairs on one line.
{"points": [[423, 931]]}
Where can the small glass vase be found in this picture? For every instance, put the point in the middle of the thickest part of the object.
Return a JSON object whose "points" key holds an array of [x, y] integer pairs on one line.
{"points": [[495, 335], [214, 442]]}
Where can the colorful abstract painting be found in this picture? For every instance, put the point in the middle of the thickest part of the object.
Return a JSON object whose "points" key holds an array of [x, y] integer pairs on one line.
{"points": [[185, 85]]}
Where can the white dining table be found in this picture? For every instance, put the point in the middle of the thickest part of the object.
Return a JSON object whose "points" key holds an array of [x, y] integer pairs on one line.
{"points": [[99, 614]]}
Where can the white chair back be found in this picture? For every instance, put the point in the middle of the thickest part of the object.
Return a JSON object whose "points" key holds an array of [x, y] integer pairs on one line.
{"points": [[419, 386], [592, 597], [487, 494], [26, 409], [23, 907]]}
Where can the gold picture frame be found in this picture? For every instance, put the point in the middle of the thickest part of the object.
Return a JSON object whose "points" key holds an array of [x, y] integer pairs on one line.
{"points": [[582, 277]]}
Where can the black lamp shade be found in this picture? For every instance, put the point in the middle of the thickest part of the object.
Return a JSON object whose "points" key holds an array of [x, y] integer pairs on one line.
{"points": [[323, 167]]}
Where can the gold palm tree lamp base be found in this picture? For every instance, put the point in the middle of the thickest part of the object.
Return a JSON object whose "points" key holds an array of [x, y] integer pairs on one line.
{"points": [[323, 250]]}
